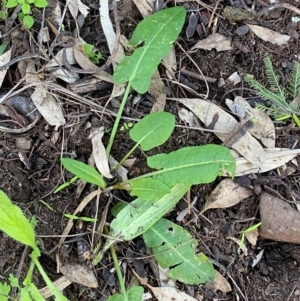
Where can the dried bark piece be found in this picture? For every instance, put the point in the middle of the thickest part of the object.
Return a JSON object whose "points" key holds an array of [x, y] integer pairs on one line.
{"points": [[279, 220]]}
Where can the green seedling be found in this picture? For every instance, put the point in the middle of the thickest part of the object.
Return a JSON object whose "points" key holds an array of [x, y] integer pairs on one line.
{"points": [[283, 103], [14, 223], [83, 218], [248, 230], [65, 185], [94, 56], [126, 126], [25, 15]]}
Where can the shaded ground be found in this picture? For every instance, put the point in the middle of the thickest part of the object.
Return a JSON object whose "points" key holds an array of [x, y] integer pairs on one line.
{"points": [[277, 275]]}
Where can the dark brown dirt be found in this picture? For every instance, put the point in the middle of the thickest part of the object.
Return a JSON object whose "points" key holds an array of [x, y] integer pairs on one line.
{"points": [[275, 278]]}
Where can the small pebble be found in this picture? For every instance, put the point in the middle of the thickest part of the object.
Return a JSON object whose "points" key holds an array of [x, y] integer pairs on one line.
{"points": [[242, 30]]}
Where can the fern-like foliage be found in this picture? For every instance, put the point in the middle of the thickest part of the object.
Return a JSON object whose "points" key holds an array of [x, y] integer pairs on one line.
{"points": [[294, 87], [276, 95]]}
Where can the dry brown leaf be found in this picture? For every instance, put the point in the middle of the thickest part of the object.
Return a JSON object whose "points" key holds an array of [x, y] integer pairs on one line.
{"points": [[275, 157], [145, 7], [170, 63], [4, 58], [252, 236], [109, 32], [214, 41], [85, 63], [221, 284], [157, 90], [227, 194], [99, 152], [61, 283], [80, 274], [58, 58], [242, 246], [43, 100], [66, 75], [269, 35], [263, 129], [76, 6], [217, 119], [170, 294], [187, 117], [165, 281]]}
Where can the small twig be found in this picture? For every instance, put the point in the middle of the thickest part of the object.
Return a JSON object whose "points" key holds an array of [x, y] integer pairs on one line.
{"points": [[22, 58], [198, 76], [212, 14]]}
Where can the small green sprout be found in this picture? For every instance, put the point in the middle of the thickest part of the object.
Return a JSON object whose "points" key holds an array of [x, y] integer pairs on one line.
{"points": [[126, 126], [248, 230], [27, 19], [94, 56], [83, 218]]}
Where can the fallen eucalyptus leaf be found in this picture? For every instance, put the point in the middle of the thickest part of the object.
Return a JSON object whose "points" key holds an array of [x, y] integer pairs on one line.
{"points": [[76, 6], [214, 41], [217, 119], [99, 152], [220, 283], [80, 274], [263, 129], [170, 293], [43, 100], [4, 58], [227, 194], [269, 35], [275, 157]]}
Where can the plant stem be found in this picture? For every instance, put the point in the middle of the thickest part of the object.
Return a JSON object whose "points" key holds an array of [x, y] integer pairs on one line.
{"points": [[126, 156], [118, 270], [59, 296], [117, 121], [28, 277]]}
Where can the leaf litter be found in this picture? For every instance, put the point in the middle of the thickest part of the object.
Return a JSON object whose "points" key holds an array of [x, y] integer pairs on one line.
{"points": [[275, 154]]}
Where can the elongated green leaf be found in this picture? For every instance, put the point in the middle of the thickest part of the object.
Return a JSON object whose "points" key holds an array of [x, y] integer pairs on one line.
{"points": [[83, 171], [157, 32], [193, 165], [138, 216], [148, 189], [14, 223], [153, 130], [174, 248]]}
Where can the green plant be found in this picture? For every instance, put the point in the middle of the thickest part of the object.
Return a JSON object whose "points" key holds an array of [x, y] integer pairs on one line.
{"points": [[248, 230], [174, 173], [14, 223], [3, 10], [28, 20], [157, 193], [94, 56], [3, 47], [283, 103]]}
